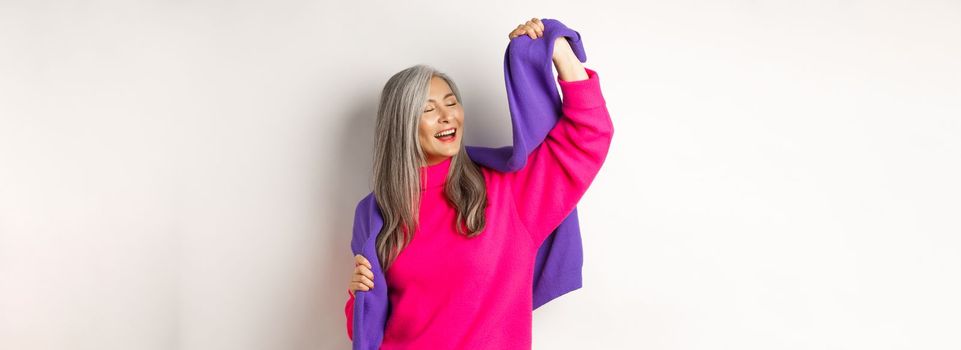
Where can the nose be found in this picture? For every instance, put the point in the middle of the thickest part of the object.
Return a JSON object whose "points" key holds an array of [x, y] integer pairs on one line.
{"points": [[446, 116]]}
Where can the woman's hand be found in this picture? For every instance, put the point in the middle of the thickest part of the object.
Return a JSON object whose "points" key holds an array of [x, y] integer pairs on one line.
{"points": [[569, 68], [363, 278], [533, 28]]}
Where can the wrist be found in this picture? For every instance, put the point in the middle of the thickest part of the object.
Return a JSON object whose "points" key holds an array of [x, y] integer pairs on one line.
{"points": [[562, 50]]}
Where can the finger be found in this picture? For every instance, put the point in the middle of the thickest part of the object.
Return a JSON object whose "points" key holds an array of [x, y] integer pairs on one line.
{"points": [[516, 32], [530, 31], [366, 281], [360, 286], [539, 23], [361, 260], [363, 270], [362, 279], [367, 272], [537, 26]]}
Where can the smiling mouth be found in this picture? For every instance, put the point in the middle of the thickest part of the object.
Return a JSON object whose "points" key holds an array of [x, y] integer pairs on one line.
{"points": [[447, 135]]}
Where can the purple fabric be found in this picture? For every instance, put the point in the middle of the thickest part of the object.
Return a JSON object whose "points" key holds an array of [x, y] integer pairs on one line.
{"points": [[535, 107]]}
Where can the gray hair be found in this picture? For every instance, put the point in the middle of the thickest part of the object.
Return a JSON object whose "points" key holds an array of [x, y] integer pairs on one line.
{"points": [[398, 157]]}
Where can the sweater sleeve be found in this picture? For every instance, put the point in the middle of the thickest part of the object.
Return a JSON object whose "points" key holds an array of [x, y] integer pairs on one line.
{"points": [[560, 169], [349, 310]]}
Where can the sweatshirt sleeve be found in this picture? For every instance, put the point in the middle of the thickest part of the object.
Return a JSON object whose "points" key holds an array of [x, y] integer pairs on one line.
{"points": [[349, 310], [560, 169]]}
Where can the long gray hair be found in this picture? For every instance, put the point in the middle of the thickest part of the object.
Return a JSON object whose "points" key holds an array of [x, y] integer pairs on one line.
{"points": [[398, 157]]}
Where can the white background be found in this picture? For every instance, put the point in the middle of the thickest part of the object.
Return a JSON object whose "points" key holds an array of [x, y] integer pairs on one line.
{"points": [[183, 174]]}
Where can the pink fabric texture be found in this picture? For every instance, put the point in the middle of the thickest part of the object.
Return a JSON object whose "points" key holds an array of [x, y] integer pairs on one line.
{"points": [[448, 291]]}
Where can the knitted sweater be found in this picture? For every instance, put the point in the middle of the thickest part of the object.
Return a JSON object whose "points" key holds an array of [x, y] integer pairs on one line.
{"points": [[452, 292]]}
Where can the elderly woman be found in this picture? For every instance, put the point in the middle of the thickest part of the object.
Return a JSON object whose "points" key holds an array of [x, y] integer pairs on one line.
{"points": [[459, 240]]}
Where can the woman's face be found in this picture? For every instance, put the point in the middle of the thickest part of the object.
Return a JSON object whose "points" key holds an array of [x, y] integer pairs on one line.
{"points": [[441, 114]]}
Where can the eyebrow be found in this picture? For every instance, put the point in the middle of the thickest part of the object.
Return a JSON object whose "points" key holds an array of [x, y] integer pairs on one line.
{"points": [[445, 96]]}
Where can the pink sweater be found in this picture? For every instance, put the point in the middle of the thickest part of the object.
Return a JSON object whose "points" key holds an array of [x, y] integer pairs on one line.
{"points": [[452, 292]]}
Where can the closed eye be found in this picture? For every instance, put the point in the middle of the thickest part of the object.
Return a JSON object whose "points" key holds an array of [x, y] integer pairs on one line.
{"points": [[450, 105]]}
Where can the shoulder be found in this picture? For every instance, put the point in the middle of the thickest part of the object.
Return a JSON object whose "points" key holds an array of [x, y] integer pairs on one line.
{"points": [[489, 159], [490, 174], [496, 181]]}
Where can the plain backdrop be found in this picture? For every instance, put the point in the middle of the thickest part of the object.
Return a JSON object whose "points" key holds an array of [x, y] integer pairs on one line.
{"points": [[183, 174]]}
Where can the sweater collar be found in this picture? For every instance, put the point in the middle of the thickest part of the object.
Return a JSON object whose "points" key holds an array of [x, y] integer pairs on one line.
{"points": [[435, 175]]}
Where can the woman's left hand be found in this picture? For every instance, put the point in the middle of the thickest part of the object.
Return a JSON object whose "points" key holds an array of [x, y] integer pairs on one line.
{"points": [[533, 28], [569, 68]]}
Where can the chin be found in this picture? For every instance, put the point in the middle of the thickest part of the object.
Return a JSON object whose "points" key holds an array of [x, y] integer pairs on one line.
{"points": [[449, 151]]}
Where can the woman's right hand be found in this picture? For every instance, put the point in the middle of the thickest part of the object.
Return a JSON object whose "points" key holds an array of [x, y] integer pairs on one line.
{"points": [[363, 278]]}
